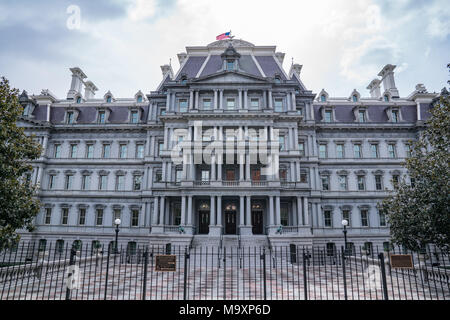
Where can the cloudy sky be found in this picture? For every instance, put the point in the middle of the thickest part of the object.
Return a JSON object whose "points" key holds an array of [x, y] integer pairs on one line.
{"points": [[121, 44]]}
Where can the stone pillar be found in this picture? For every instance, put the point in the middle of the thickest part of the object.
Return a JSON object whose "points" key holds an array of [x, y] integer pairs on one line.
{"points": [[162, 210], [241, 211], [196, 99], [219, 166], [183, 210], [239, 106], [191, 99], [169, 171], [152, 146], [246, 99], [219, 211], [292, 175], [155, 211], [294, 212], [294, 107], [216, 104], [212, 220], [189, 217], [163, 173], [247, 167], [241, 167], [168, 101], [288, 101], [297, 166], [271, 211], [305, 211], [270, 100], [221, 99], [277, 211], [249, 211], [166, 138], [299, 211], [296, 138], [213, 167], [150, 179], [192, 166]]}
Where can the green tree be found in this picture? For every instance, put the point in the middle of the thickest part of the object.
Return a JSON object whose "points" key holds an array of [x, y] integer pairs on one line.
{"points": [[18, 204], [419, 213]]}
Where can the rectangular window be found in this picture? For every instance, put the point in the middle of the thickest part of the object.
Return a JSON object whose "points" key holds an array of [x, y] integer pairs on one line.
{"points": [[282, 174], [340, 151], [99, 217], [230, 175], [205, 175], [395, 180], [361, 183], [82, 217], [117, 215], [158, 176], [322, 151], [57, 153], [382, 219], [378, 183], [207, 104], [101, 117], [278, 105], [284, 215], [51, 182], [85, 182], [230, 104], [65, 216], [69, 182], [123, 151], [342, 182], [408, 150], [325, 183], [160, 147], [346, 216], [391, 150], [162, 111], [357, 150], [90, 151], [103, 183], [120, 185], [73, 150], [137, 183], [48, 216], [183, 105], [139, 151], [328, 116], [374, 150], [69, 117], [301, 148], [178, 175], [327, 218], [303, 177], [230, 65], [362, 116], [254, 103], [134, 117], [395, 116], [281, 141], [106, 151], [134, 218], [364, 218]]}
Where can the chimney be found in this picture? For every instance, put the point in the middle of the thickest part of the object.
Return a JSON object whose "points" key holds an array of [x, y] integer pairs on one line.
{"points": [[182, 57], [77, 81], [387, 77], [167, 69], [374, 87], [89, 90]]}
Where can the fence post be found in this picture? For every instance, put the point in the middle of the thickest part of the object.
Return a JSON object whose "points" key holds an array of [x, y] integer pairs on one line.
{"points": [[144, 289], [305, 284], [107, 273], [73, 253], [343, 271], [186, 257], [263, 257], [383, 275]]}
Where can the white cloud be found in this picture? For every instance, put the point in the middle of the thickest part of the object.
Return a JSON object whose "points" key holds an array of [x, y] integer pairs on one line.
{"points": [[141, 9]]}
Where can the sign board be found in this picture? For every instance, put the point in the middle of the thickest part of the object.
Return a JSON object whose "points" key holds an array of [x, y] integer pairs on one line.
{"points": [[401, 261], [166, 262]]}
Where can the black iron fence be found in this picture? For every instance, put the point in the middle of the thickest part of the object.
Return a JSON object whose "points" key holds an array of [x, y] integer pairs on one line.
{"points": [[278, 273]]}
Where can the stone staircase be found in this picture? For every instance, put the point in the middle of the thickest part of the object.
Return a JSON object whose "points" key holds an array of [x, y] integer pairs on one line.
{"points": [[230, 241]]}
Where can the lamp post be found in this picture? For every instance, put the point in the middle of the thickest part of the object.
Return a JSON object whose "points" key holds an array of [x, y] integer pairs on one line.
{"points": [[345, 224], [117, 222]]}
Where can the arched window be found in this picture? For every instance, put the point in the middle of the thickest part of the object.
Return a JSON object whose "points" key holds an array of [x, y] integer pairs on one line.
{"points": [[277, 79], [386, 98], [108, 99], [323, 98], [139, 99], [355, 98], [78, 99], [42, 244], [77, 245]]}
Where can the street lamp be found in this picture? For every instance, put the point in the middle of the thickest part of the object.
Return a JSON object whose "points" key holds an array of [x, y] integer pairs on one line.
{"points": [[117, 222], [345, 224]]}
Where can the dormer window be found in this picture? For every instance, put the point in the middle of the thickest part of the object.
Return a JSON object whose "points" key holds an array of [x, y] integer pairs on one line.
{"points": [[108, 99], [101, 117], [323, 98], [277, 79], [139, 99], [183, 105], [134, 117], [183, 80], [395, 116], [230, 65], [328, 116], [362, 116], [78, 99], [386, 98], [355, 98], [26, 110], [70, 117]]}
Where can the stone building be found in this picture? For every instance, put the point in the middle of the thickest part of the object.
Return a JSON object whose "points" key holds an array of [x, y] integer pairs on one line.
{"points": [[106, 157]]}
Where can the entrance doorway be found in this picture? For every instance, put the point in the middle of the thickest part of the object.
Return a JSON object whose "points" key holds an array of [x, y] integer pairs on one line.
{"points": [[257, 221], [230, 218], [203, 218]]}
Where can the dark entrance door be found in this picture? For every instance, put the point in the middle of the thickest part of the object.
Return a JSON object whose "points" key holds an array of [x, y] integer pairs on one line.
{"points": [[230, 222], [203, 227], [257, 221]]}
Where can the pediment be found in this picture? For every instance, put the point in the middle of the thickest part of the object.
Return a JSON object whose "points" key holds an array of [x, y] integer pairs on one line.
{"points": [[230, 77]]}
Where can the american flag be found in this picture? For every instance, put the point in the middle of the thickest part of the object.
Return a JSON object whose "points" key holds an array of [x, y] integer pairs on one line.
{"points": [[226, 35]]}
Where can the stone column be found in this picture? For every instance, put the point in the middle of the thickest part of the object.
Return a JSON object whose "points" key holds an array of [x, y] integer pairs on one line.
{"points": [[246, 99], [191, 99], [270, 100], [247, 167], [305, 211], [166, 138], [249, 211], [296, 138], [297, 166], [292, 175], [213, 167], [277, 211], [216, 104], [294, 212], [192, 166], [162, 210], [152, 146], [155, 211], [241, 167], [168, 100], [196, 99], [169, 171], [183, 210], [241, 211], [219, 211], [212, 220], [271, 212], [150, 179], [221, 99], [189, 218], [163, 173], [288, 101], [239, 106], [299, 211], [219, 166], [294, 107]]}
